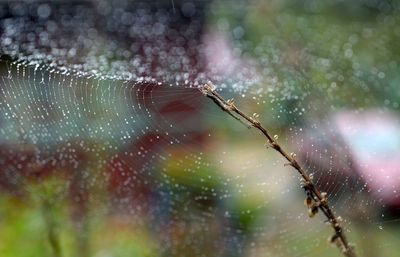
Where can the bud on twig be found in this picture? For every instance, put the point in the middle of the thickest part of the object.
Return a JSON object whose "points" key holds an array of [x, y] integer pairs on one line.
{"points": [[312, 211]]}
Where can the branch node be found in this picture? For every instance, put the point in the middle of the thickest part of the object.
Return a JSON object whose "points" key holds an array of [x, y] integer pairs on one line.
{"points": [[309, 201], [256, 122], [207, 88], [332, 239], [312, 210], [275, 145], [288, 164]]}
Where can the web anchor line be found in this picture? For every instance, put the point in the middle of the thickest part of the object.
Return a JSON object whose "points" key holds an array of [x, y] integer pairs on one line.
{"points": [[315, 199]]}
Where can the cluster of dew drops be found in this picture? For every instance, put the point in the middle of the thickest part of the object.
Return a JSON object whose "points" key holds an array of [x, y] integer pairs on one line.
{"points": [[95, 86]]}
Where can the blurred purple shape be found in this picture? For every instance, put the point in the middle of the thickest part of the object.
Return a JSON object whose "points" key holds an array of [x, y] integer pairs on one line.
{"points": [[373, 138]]}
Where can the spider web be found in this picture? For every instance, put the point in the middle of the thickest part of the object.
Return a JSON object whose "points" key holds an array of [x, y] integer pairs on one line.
{"points": [[123, 126]]}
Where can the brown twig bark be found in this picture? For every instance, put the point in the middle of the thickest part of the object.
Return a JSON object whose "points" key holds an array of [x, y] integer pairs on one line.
{"points": [[315, 200]]}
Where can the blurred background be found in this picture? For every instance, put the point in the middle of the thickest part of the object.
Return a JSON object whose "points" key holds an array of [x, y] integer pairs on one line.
{"points": [[108, 148]]}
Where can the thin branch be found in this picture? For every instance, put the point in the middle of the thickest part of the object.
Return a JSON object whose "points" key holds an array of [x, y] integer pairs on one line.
{"points": [[226, 109], [315, 200]]}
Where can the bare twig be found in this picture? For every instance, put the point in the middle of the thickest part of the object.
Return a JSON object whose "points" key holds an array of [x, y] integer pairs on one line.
{"points": [[227, 110], [315, 200]]}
